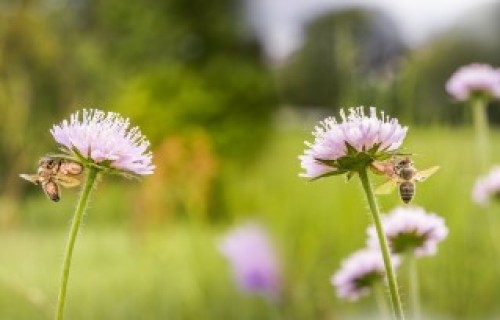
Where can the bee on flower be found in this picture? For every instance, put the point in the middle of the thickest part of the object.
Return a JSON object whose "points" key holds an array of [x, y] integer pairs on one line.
{"points": [[93, 143], [350, 145], [354, 142], [104, 140]]}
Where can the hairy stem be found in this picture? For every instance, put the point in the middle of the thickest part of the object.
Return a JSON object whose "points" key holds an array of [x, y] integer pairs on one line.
{"points": [[384, 248], [77, 218]]}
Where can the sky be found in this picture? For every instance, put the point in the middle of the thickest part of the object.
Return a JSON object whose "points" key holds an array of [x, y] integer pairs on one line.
{"points": [[279, 23]]}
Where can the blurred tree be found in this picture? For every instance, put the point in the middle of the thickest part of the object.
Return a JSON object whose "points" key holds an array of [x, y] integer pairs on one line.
{"points": [[351, 58], [182, 65], [421, 85], [345, 56]]}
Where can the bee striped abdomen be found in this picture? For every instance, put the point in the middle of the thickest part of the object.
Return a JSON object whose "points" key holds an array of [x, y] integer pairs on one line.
{"points": [[406, 191]]}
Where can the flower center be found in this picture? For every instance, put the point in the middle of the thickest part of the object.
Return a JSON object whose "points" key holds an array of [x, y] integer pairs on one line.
{"points": [[408, 241], [368, 280]]}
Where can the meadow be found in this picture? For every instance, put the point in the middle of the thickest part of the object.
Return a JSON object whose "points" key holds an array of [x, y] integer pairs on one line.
{"points": [[174, 271]]}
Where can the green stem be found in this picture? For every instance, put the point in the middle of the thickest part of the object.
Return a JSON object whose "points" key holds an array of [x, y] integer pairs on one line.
{"points": [[479, 113], [414, 287], [391, 278], [77, 218]]}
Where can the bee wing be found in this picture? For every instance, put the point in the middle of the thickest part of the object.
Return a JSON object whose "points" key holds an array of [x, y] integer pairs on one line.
{"points": [[68, 181], [33, 178], [386, 187], [424, 174]]}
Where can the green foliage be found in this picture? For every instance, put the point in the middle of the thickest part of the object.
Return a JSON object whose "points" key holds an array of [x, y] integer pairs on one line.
{"points": [[184, 66], [177, 99]]}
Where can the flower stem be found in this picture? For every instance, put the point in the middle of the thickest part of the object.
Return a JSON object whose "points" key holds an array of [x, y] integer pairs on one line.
{"points": [[414, 287], [479, 113], [391, 278], [77, 218]]}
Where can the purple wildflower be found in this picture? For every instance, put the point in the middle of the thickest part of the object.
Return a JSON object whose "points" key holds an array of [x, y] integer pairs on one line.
{"points": [[487, 187], [411, 229], [359, 273], [253, 259], [104, 138], [339, 147], [474, 79]]}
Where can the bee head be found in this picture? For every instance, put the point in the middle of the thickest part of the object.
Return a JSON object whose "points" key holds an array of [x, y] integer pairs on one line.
{"points": [[406, 162], [47, 162]]}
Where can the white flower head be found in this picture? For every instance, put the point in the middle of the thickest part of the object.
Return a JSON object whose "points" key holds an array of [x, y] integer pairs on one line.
{"points": [[410, 229], [356, 140], [474, 80], [254, 260], [105, 139], [487, 187], [359, 273]]}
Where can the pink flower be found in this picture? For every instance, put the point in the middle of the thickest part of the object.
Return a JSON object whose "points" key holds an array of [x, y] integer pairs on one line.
{"points": [[357, 136], [474, 79], [487, 187], [359, 273], [411, 229], [253, 259], [105, 138]]}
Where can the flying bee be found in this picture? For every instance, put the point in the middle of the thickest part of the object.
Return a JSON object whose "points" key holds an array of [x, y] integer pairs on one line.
{"points": [[401, 173], [54, 172]]}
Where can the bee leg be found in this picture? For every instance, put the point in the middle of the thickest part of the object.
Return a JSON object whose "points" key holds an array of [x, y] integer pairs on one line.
{"points": [[51, 189]]}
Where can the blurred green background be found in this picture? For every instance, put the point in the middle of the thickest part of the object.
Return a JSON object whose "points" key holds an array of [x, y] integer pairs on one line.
{"points": [[227, 125]]}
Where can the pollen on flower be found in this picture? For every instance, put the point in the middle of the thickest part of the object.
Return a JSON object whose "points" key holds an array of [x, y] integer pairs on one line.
{"points": [[474, 79], [105, 138], [410, 230], [356, 137], [359, 273]]}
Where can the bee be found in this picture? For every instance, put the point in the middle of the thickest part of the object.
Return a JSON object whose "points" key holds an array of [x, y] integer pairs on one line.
{"points": [[54, 172], [402, 173]]}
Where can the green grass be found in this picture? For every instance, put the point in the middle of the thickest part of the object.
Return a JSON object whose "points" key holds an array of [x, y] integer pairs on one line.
{"points": [[175, 272]]}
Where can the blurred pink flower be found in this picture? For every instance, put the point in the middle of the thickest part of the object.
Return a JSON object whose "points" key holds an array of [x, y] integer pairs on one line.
{"points": [[359, 273], [105, 138], [474, 79], [356, 134], [487, 187], [253, 259], [410, 229]]}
